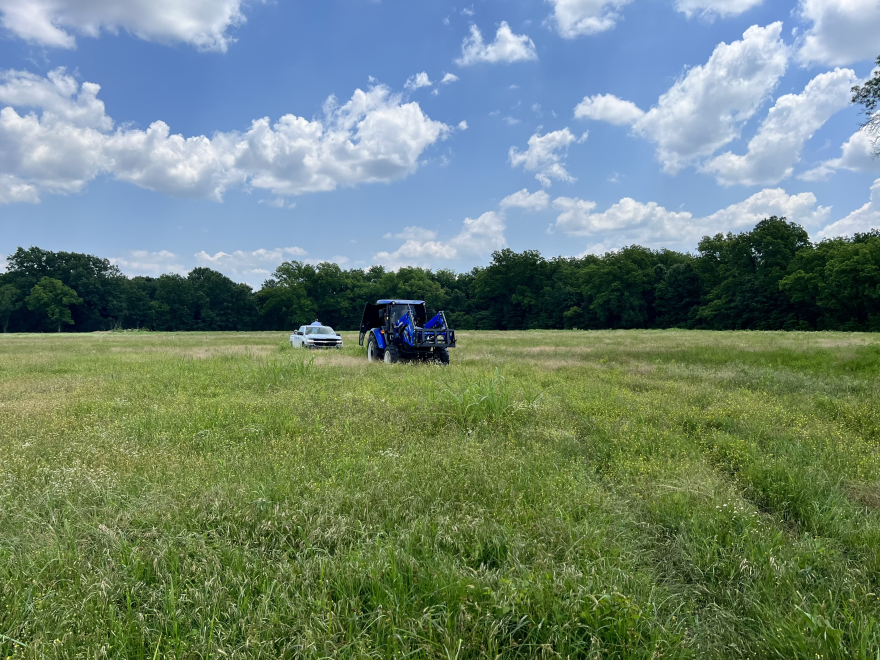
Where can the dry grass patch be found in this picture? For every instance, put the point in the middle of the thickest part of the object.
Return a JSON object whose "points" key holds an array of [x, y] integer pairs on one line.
{"points": [[868, 495]]}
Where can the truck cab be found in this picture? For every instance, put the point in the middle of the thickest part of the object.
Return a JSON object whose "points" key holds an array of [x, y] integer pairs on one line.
{"points": [[315, 335]]}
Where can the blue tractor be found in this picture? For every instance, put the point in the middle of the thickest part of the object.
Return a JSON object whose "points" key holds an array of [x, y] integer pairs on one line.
{"points": [[400, 330]]}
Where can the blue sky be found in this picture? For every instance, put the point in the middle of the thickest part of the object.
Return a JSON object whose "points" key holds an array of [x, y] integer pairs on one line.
{"points": [[237, 135]]}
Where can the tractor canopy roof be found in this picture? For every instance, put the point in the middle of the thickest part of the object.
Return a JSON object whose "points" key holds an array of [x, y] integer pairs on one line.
{"points": [[373, 314], [400, 302]]}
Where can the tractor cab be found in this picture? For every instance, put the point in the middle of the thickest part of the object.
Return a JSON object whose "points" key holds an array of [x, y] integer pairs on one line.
{"points": [[416, 310]]}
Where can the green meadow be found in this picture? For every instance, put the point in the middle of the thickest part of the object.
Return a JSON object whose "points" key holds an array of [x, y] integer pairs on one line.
{"points": [[553, 494]]}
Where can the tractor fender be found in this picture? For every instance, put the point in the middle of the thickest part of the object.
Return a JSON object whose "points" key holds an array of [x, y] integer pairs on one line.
{"points": [[380, 338]]}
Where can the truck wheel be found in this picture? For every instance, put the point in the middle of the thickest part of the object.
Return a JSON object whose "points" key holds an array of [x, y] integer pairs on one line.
{"points": [[441, 355], [374, 354], [392, 355]]}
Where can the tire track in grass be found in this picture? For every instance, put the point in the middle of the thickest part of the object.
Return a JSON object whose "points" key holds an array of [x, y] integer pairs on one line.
{"points": [[608, 420]]}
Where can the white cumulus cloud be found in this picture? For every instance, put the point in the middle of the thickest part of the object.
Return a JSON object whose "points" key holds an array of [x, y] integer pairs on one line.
{"points": [[522, 199], [800, 208], [707, 107], [863, 219], [48, 155], [204, 24], [789, 124], [195, 167], [57, 152], [418, 81], [608, 108], [574, 18], [151, 264], [710, 8], [13, 189], [251, 266], [856, 155], [842, 31], [448, 78], [631, 221], [58, 96], [478, 237], [578, 218], [414, 233], [507, 47], [374, 137], [546, 155], [278, 203], [248, 265]]}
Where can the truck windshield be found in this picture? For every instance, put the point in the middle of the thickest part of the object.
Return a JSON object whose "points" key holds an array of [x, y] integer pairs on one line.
{"points": [[319, 330]]}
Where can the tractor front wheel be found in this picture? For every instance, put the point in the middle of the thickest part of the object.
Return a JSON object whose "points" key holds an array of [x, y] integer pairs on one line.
{"points": [[374, 354], [392, 355], [441, 355]]}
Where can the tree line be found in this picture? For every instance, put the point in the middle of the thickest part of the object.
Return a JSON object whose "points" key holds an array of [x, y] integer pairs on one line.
{"points": [[770, 278]]}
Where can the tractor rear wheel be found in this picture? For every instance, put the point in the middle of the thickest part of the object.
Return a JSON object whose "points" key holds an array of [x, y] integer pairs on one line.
{"points": [[441, 355], [374, 354], [392, 355]]}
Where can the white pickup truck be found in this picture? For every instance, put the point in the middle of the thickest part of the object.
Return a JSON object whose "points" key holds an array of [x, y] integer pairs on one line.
{"points": [[315, 335]]}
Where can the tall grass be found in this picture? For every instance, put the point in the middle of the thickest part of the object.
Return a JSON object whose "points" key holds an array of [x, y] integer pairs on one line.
{"points": [[563, 494], [483, 400]]}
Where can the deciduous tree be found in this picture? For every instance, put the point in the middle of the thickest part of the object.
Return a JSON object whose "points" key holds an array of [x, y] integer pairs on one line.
{"points": [[53, 298]]}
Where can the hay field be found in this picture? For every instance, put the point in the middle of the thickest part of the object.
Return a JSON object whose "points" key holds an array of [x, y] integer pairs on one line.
{"points": [[631, 494]]}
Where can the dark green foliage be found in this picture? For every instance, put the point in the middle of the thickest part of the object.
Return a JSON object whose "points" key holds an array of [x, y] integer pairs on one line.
{"points": [[742, 274], [677, 296], [225, 305], [769, 278], [621, 287], [9, 302], [96, 281], [838, 281], [53, 300], [507, 293]]}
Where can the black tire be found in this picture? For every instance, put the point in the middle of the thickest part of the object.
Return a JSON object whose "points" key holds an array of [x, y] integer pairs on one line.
{"points": [[392, 355], [374, 353], [441, 355]]}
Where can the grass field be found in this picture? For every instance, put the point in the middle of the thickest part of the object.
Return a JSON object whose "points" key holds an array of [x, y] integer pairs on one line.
{"points": [[637, 494]]}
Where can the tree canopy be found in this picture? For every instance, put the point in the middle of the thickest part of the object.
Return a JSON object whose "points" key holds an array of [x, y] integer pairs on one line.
{"points": [[769, 278], [51, 298]]}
